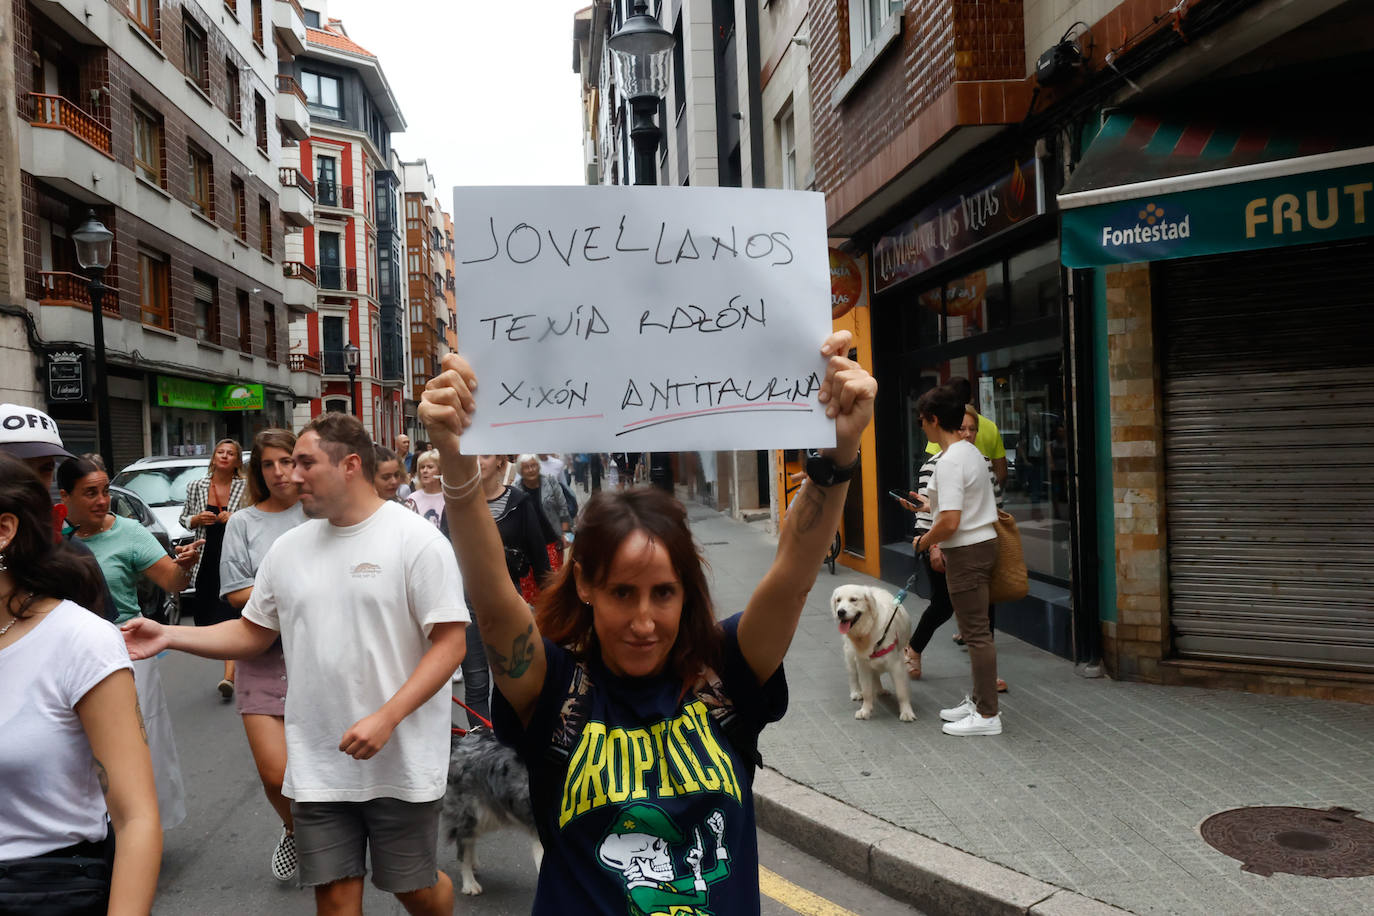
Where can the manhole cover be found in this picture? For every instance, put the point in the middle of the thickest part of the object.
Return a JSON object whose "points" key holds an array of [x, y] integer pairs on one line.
{"points": [[1333, 843]]}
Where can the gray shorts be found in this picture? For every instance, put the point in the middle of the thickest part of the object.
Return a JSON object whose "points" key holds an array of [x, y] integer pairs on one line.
{"points": [[403, 839]]}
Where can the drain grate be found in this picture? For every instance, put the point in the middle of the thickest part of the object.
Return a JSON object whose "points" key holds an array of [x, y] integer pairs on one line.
{"points": [[1331, 843]]}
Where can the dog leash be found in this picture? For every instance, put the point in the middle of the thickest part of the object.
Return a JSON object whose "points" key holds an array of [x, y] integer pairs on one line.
{"points": [[900, 597], [460, 732]]}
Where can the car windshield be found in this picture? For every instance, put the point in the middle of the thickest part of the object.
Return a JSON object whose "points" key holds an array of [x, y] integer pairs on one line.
{"points": [[160, 486]]}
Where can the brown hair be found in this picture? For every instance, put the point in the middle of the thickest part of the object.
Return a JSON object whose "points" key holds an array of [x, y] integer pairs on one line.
{"points": [[342, 435], [268, 438], [603, 525], [38, 567]]}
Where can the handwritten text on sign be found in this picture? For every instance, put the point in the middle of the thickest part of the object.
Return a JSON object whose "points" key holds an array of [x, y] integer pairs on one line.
{"points": [[643, 319]]}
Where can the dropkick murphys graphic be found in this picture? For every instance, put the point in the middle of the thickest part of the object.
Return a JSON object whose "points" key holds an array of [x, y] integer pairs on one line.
{"points": [[640, 846]]}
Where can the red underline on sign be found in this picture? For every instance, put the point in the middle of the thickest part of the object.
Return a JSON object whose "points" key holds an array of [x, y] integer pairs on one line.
{"points": [[589, 416], [765, 407]]}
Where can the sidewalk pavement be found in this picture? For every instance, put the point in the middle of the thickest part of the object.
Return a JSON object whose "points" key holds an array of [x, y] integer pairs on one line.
{"points": [[1095, 787]]}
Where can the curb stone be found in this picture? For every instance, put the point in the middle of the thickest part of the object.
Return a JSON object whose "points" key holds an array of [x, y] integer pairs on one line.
{"points": [[927, 874]]}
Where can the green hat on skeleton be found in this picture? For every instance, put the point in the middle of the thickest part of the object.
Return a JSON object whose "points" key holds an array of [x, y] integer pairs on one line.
{"points": [[646, 819]]}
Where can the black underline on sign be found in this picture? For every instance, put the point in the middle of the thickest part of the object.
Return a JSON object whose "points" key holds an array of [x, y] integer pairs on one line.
{"points": [[696, 414], [589, 416]]}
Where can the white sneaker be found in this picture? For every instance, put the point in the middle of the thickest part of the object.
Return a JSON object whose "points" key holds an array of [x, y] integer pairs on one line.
{"points": [[962, 711], [974, 724], [458, 676]]}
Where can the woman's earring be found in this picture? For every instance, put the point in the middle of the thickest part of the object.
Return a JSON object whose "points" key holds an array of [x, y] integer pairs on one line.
{"points": [[3, 567]]}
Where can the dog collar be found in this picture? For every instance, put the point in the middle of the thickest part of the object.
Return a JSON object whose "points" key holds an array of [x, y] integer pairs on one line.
{"points": [[881, 652]]}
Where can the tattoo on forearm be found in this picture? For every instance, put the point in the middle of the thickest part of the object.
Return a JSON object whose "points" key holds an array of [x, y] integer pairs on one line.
{"points": [[805, 510], [142, 726], [520, 658], [102, 777]]}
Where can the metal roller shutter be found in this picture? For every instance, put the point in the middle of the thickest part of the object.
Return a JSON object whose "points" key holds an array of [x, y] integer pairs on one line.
{"points": [[126, 431], [1269, 454]]}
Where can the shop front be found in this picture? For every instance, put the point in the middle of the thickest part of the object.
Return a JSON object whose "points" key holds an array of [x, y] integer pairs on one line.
{"points": [[970, 286], [1237, 266], [187, 417]]}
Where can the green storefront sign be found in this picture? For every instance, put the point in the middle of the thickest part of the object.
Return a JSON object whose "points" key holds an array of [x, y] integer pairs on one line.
{"points": [[180, 392], [1289, 210]]}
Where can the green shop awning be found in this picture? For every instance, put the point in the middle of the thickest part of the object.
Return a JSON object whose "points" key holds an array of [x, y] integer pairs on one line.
{"points": [[1149, 190]]}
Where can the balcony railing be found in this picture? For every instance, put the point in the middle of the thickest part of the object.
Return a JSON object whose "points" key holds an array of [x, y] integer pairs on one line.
{"points": [[62, 288], [287, 83], [332, 194], [60, 114], [304, 362], [295, 270], [292, 178], [333, 361], [332, 276]]}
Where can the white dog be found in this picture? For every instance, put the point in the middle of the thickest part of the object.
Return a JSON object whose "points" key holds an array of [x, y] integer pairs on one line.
{"points": [[875, 628]]}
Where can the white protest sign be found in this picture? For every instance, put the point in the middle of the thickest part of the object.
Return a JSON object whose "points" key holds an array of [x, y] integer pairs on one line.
{"points": [[643, 318]]}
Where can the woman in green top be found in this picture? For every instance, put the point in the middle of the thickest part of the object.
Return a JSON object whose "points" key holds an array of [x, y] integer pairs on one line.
{"points": [[125, 551]]}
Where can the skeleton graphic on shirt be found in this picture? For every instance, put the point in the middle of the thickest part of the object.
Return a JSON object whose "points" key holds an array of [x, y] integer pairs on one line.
{"points": [[638, 846]]}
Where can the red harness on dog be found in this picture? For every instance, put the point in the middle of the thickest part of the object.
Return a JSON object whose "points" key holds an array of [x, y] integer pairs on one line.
{"points": [[879, 653]]}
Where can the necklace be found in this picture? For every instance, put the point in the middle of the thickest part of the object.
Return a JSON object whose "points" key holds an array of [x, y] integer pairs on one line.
{"points": [[6, 628]]}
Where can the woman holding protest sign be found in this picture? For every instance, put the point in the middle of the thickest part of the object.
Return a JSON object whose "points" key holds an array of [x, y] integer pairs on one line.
{"points": [[623, 650]]}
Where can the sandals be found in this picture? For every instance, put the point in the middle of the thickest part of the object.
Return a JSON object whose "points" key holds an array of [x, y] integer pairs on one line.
{"points": [[913, 663], [958, 639], [1001, 686]]}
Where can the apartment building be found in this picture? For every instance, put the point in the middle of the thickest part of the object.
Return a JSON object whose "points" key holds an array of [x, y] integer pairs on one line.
{"points": [[430, 283], [354, 244], [159, 116]]}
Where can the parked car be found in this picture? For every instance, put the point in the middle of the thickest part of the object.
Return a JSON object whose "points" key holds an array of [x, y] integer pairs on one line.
{"points": [[153, 601], [161, 482]]}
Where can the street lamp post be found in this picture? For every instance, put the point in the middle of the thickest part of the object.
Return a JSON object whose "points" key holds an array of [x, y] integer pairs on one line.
{"points": [[641, 49], [93, 246], [350, 355]]}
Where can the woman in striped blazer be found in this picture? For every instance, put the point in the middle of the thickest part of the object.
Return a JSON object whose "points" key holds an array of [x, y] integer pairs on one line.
{"points": [[209, 503]]}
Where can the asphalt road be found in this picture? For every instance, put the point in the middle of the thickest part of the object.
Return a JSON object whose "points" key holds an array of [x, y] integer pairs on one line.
{"points": [[216, 862]]}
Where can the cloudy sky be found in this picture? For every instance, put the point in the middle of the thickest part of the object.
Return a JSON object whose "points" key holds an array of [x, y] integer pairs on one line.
{"points": [[487, 88]]}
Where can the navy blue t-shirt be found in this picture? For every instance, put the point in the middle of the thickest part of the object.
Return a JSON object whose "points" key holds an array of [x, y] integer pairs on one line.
{"points": [[651, 810]]}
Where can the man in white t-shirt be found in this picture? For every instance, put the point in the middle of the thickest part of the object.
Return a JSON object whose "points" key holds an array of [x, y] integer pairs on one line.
{"points": [[368, 601]]}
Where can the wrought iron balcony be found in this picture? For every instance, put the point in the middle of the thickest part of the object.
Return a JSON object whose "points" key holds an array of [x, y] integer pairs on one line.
{"points": [[334, 277], [332, 194]]}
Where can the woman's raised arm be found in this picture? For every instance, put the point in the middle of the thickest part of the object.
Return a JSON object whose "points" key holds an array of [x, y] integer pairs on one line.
{"points": [[770, 619], [514, 648]]}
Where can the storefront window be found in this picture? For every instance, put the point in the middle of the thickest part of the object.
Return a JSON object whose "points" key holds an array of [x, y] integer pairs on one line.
{"points": [[975, 303], [1034, 277], [1018, 384]]}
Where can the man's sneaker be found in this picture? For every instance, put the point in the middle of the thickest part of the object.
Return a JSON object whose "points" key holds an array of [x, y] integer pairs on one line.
{"points": [[284, 857], [961, 711], [974, 724]]}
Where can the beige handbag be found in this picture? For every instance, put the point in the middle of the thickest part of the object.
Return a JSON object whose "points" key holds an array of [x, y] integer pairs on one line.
{"points": [[1008, 581]]}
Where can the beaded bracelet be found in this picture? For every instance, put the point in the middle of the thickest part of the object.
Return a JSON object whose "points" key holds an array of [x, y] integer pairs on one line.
{"points": [[460, 491]]}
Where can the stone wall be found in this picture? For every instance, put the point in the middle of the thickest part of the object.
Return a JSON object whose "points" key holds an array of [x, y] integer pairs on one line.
{"points": [[1134, 644]]}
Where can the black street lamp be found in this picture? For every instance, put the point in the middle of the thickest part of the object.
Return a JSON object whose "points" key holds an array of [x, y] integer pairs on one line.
{"points": [[350, 356], [641, 49], [93, 245]]}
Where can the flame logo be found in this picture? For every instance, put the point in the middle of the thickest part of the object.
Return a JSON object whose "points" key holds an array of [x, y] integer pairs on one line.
{"points": [[1018, 183]]}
